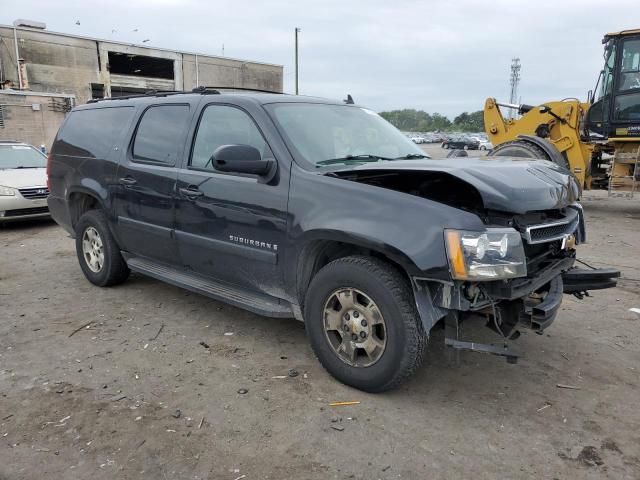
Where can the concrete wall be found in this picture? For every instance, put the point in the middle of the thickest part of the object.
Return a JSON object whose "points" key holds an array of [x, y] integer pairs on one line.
{"points": [[64, 64], [31, 118]]}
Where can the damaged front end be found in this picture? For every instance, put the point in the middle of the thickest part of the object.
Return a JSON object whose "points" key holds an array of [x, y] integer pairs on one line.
{"points": [[519, 279], [511, 267]]}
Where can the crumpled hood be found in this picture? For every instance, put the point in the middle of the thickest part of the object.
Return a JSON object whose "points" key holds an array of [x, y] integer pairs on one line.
{"points": [[507, 184], [23, 177]]}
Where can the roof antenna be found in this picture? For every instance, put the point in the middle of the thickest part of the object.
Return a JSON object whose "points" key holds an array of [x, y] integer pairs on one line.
{"points": [[349, 100]]}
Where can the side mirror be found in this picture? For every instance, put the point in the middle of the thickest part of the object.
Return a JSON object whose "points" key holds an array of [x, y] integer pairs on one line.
{"points": [[241, 159]]}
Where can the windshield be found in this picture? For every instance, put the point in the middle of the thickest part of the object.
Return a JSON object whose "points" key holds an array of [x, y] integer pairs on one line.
{"points": [[326, 134], [21, 156]]}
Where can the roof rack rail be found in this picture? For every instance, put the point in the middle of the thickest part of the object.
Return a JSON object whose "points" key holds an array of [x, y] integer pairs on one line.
{"points": [[216, 90], [149, 93]]}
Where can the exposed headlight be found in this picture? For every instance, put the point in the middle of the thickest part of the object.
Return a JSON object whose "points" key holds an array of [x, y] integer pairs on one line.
{"points": [[7, 191], [494, 254]]}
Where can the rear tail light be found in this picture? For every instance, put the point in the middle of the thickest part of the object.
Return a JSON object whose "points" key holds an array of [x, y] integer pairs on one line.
{"points": [[49, 160]]}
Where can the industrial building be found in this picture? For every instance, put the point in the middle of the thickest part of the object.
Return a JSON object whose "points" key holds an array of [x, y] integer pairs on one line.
{"points": [[43, 74]]}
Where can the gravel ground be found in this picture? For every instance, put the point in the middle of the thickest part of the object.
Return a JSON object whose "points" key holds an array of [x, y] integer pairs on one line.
{"points": [[160, 383]]}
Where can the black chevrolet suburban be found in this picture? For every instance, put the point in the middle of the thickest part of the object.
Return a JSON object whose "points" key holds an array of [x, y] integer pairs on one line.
{"points": [[292, 206]]}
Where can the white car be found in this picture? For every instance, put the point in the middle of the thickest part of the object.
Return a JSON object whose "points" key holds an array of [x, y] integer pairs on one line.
{"points": [[484, 143], [23, 182]]}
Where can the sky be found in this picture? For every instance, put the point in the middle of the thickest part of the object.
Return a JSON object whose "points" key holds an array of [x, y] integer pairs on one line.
{"points": [[438, 56]]}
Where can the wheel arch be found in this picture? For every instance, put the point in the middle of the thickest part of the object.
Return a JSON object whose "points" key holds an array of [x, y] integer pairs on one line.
{"points": [[80, 200], [321, 248]]}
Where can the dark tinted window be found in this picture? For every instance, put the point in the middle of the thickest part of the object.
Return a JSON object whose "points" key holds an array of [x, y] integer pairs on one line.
{"points": [[160, 134], [627, 107], [92, 133], [224, 125]]}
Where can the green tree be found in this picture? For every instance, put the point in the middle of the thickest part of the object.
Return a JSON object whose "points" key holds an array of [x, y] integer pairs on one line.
{"points": [[411, 120]]}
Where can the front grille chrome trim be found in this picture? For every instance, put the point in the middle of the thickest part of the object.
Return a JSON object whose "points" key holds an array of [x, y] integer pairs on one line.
{"points": [[534, 234]]}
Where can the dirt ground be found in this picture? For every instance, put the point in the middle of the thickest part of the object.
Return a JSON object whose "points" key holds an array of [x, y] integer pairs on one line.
{"points": [[154, 387]]}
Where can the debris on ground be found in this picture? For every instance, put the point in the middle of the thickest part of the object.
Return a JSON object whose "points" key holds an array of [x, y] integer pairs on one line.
{"points": [[243, 391], [546, 405], [177, 413], [590, 457], [279, 376], [384, 469], [84, 325], [228, 334], [570, 387], [293, 373], [344, 404], [205, 345], [339, 428], [158, 332], [201, 422]]}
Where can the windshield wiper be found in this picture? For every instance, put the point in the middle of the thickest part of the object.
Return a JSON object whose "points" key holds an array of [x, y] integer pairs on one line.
{"points": [[22, 166], [409, 156], [354, 158]]}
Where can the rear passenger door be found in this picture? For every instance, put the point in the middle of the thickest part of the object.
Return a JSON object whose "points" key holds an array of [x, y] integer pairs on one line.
{"points": [[229, 226], [146, 182]]}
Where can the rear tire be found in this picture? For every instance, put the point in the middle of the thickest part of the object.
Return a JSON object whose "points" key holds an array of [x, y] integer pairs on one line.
{"points": [[347, 287], [98, 252]]}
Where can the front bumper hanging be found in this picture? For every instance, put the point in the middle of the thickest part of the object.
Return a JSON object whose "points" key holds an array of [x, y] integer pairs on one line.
{"points": [[578, 281]]}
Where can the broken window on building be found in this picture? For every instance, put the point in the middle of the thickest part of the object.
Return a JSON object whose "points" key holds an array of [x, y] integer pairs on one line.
{"points": [[140, 66], [97, 90]]}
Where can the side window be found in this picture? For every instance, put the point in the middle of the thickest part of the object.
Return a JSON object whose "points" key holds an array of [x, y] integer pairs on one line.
{"points": [[630, 65], [160, 134], [92, 133], [224, 125]]}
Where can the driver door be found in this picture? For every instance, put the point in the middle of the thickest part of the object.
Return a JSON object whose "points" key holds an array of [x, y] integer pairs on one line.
{"points": [[231, 227]]}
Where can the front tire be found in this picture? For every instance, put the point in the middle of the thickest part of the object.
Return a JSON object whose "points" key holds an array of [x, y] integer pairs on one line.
{"points": [[362, 323], [98, 252]]}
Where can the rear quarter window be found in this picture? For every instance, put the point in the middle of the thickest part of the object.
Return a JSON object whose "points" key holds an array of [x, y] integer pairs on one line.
{"points": [[161, 134], [92, 133]]}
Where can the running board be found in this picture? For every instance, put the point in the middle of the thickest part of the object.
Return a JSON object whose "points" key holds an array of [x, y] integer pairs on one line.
{"points": [[254, 302]]}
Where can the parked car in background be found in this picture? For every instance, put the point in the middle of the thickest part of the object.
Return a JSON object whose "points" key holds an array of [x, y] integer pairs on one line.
{"points": [[23, 182], [417, 139], [465, 143], [485, 144]]}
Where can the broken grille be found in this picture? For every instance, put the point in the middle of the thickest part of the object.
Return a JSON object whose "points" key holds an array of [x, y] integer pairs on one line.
{"points": [[548, 232]]}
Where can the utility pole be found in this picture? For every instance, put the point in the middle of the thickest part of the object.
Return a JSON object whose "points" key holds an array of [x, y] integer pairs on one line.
{"points": [[514, 81], [297, 31]]}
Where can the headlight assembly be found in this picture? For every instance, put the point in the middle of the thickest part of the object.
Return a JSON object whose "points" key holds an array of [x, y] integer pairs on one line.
{"points": [[7, 191], [494, 254]]}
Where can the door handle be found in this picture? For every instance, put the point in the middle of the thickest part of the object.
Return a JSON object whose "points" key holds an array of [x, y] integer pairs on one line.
{"points": [[127, 181], [191, 192]]}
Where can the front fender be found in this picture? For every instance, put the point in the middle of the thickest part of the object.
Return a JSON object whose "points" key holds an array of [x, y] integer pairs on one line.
{"points": [[407, 228]]}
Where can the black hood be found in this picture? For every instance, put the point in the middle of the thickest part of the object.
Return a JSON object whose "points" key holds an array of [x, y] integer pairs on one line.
{"points": [[506, 184]]}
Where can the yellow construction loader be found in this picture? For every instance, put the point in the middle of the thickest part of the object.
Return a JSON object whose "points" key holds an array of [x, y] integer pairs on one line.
{"points": [[597, 140]]}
